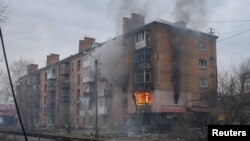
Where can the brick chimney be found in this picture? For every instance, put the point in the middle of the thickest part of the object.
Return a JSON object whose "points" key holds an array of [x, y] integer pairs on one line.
{"points": [[52, 59], [130, 24], [32, 68], [86, 43]]}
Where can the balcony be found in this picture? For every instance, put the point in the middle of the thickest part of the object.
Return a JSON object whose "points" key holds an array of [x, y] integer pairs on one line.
{"points": [[64, 97], [51, 87], [104, 110], [51, 73], [88, 79], [86, 112], [64, 84], [65, 70], [36, 80], [51, 110]]}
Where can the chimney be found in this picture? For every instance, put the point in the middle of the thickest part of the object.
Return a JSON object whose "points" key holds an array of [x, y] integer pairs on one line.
{"points": [[52, 59], [130, 24], [180, 24], [32, 68], [86, 43]]}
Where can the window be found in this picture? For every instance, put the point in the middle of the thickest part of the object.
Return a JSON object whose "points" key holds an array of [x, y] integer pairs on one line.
{"points": [[202, 46], [139, 36], [176, 40], [143, 76], [45, 88], [72, 66], [101, 103], [143, 55], [45, 76], [139, 77], [78, 79], [203, 101], [44, 99], [147, 76], [44, 112], [78, 93], [78, 65], [203, 82], [203, 63], [174, 59], [53, 71], [78, 108]]}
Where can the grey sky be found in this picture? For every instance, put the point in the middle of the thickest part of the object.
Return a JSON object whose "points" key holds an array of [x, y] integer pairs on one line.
{"points": [[36, 28]]}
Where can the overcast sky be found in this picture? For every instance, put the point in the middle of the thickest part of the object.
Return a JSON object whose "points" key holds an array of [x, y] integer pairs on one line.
{"points": [[36, 28]]}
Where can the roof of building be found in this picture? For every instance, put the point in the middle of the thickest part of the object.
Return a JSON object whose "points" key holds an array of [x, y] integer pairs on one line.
{"points": [[160, 22]]}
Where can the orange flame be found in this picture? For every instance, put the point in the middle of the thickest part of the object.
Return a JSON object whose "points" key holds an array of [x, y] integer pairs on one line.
{"points": [[143, 98]]}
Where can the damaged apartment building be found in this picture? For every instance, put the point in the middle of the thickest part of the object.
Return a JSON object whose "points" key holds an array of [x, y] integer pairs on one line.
{"points": [[151, 70]]}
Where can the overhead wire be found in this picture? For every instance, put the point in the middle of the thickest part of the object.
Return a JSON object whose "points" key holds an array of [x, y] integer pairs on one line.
{"points": [[224, 21], [12, 88], [234, 35]]}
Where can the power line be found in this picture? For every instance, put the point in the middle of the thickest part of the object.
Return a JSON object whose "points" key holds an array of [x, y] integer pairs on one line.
{"points": [[12, 88], [237, 34], [224, 21]]}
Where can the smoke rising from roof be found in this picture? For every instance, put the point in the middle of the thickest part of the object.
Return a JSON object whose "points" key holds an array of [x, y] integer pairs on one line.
{"points": [[192, 12], [126, 7]]}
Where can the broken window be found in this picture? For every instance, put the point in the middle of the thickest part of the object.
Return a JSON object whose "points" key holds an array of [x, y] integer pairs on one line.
{"points": [[203, 82], [202, 46], [203, 63]]}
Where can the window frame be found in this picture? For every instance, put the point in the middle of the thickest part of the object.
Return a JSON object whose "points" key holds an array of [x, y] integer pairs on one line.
{"points": [[202, 46], [203, 82], [203, 63]]}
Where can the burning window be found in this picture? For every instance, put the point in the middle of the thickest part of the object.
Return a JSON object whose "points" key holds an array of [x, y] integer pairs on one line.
{"points": [[202, 46], [143, 98], [203, 82], [203, 63]]}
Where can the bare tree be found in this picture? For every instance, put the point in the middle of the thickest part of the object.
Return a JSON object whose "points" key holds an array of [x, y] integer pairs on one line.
{"points": [[234, 95], [3, 12], [17, 68]]}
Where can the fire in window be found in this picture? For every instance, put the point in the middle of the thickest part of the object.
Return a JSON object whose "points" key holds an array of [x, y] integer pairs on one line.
{"points": [[143, 98]]}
